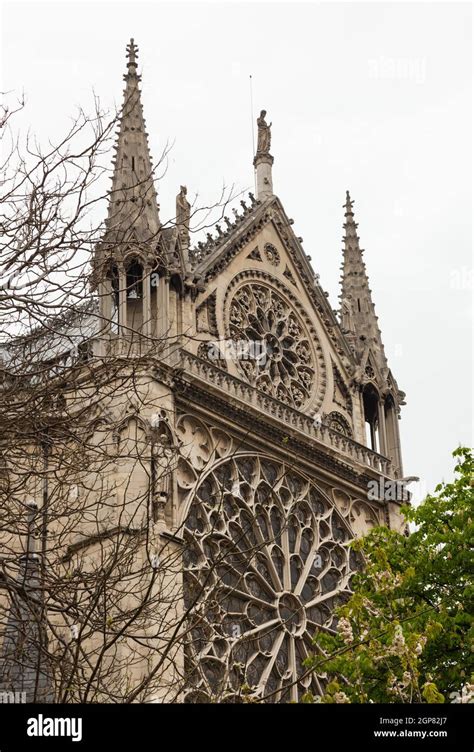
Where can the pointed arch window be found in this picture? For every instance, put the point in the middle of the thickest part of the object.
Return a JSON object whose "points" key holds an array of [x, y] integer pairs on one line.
{"points": [[134, 280], [370, 398]]}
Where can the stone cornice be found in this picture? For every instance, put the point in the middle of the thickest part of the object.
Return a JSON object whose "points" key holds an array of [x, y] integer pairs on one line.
{"points": [[274, 440]]}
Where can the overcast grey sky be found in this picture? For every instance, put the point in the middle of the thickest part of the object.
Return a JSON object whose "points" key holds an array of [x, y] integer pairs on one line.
{"points": [[374, 97]]}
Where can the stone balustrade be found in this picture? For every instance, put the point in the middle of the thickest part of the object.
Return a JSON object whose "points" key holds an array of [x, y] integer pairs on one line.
{"points": [[243, 392]]}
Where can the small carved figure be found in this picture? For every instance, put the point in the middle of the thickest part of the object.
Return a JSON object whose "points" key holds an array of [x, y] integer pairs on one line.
{"points": [[183, 214]]}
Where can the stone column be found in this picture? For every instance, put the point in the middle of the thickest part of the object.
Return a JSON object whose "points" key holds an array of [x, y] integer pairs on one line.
{"points": [[373, 437], [122, 301], [146, 313], [163, 326], [105, 292], [393, 440], [382, 431], [263, 166]]}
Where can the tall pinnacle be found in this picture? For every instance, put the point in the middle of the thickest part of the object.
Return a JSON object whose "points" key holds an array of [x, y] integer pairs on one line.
{"points": [[357, 309], [263, 160], [133, 207]]}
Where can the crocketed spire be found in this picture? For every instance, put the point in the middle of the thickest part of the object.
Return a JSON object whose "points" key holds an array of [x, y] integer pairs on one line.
{"points": [[133, 207], [357, 309]]}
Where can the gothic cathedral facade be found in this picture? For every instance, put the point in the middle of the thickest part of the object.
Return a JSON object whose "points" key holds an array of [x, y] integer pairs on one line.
{"points": [[281, 412], [272, 413]]}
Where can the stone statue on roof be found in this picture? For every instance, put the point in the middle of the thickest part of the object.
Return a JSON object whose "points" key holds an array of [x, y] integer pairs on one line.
{"points": [[264, 134], [183, 214]]}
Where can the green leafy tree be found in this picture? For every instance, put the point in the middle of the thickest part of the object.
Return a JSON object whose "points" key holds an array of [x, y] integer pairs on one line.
{"points": [[406, 634]]}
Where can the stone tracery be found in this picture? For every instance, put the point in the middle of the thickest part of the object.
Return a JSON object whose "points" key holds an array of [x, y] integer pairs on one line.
{"points": [[286, 368], [266, 562], [338, 422]]}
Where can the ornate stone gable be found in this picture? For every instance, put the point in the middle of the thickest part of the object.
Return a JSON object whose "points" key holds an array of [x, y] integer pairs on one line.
{"points": [[260, 320], [286, 254]]}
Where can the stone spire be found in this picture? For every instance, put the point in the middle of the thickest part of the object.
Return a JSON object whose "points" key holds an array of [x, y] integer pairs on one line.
{"points": [[357, 312], [263, 160], [133, 206]]}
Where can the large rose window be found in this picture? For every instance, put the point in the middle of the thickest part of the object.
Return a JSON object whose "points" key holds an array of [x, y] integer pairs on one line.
{"points": [[266, 562], [279, 358]]}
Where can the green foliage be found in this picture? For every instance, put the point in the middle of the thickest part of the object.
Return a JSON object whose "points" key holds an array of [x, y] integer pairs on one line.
{"points": [[406, 634]]}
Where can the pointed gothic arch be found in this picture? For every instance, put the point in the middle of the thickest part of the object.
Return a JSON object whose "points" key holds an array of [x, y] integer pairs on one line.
{"points": [[371, 399], [134, 270]]}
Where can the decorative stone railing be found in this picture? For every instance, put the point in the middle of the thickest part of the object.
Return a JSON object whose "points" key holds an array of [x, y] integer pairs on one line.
{"points": [[243, 392]]}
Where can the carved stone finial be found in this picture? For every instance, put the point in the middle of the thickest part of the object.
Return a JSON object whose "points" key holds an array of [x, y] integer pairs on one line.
{"points": [[132, 54], [349, 204]]}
